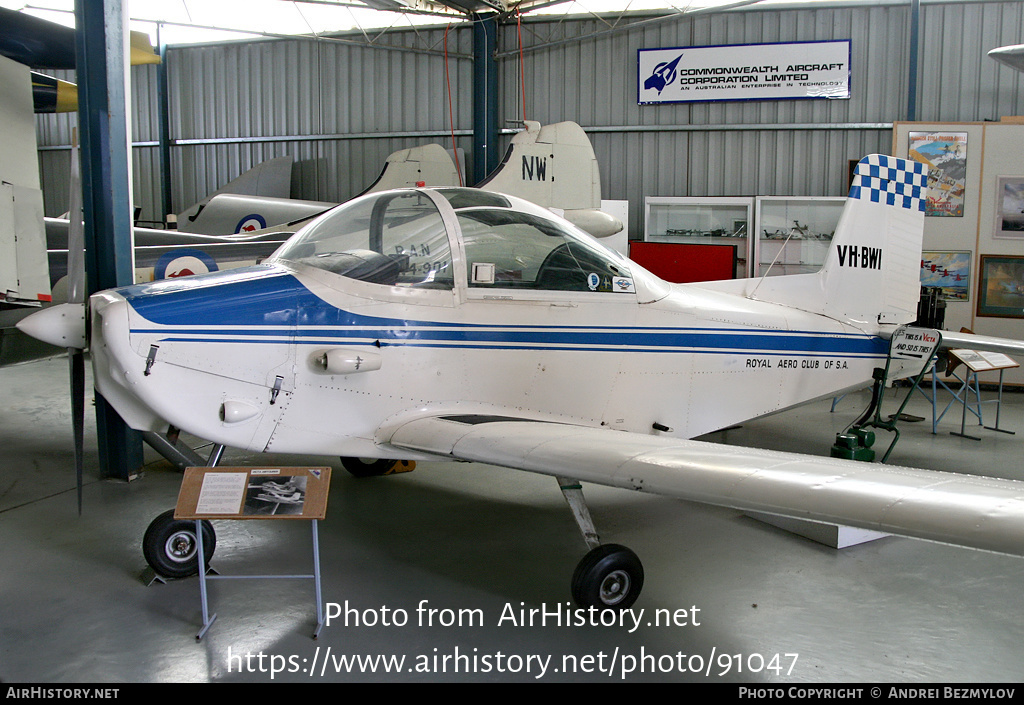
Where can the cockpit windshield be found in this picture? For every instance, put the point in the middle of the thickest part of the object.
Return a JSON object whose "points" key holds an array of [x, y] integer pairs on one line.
{"points": [[395, 239], [511, 249], [398, 238]]}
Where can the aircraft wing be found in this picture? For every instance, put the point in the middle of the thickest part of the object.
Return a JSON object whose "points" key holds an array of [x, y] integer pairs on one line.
{"points": [[965, 510], [973, 341]]}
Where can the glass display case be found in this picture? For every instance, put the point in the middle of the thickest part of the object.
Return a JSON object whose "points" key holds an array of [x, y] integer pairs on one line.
{"points": [[794, 233], [700, 220]]}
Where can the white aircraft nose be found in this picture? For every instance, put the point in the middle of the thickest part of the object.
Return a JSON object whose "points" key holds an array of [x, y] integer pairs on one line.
{"points": [[116, 366], [62, 325]]}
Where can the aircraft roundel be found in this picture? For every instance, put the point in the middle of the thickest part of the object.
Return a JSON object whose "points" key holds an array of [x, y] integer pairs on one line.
{"points": [[251, 223], [183, 263]]}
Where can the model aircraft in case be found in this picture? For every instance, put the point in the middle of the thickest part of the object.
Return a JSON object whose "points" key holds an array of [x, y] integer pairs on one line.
{"points": [[460, 324]]}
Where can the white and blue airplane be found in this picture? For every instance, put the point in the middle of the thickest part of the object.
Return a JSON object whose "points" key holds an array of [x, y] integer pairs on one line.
{"points": [[467, 325]]}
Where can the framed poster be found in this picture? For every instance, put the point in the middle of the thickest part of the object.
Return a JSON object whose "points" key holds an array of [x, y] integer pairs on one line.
{"points": [[1010, 207], [945, 154], [948, 271], [1001, 286]]}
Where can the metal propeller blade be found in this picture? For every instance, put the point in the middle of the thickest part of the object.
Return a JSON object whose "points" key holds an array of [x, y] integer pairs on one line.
{"points": [[76, 295]]}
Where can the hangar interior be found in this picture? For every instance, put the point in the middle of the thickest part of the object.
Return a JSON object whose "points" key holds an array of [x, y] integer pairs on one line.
{"points": [[479, 539]]}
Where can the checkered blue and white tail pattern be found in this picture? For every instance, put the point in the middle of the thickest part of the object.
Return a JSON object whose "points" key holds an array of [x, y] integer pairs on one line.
{"points": [[892, 181]]}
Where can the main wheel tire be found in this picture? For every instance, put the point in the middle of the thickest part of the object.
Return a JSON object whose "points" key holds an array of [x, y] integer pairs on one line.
{"points": [[608, 577], [170, 545], [365, 467]]}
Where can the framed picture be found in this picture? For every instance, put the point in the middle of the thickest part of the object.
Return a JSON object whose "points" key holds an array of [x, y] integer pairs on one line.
{"points": [[948, 271], [1001, 286], [945, 154], [1010, 207]]}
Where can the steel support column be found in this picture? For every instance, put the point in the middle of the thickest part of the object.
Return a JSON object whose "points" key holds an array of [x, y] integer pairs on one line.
{"points": [[102, 27], [915, 21], [163, 108], [485, 96]]}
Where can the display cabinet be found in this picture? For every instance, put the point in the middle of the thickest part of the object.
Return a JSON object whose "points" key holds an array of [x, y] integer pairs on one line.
{"points": [[698, 220], [793, 233]]}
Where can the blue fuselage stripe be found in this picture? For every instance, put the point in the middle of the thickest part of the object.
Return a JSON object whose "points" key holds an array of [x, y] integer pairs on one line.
{"points": [[724, 342], [270, 306]]}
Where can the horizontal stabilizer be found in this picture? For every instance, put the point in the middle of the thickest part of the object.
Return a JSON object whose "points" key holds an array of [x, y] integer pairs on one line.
{"points": [[964, 510], [1012, 56], [988, 343]]}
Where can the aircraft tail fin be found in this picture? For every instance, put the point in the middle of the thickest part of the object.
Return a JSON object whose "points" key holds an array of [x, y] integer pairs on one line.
{"points": [[272, 178], [429, 165], [872, 270], [554, 166], [873, 267]]}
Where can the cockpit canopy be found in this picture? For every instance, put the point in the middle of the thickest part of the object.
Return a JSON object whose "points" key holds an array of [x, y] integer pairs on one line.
{"points": [[407, 238]]}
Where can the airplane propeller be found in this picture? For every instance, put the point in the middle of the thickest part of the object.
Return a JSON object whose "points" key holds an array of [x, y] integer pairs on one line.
{"points": [[63, 325], [76, 297]]}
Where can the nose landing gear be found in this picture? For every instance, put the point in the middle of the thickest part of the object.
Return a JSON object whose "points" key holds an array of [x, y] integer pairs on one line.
{"points": [[171, 548]]}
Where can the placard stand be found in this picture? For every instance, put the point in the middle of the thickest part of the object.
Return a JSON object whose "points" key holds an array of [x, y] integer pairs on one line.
{"points": [[976, 362], [254, 493]]}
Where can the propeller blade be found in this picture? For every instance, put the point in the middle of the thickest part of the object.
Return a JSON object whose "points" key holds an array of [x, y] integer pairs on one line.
{"points": [[76, 231], [76, 295], [77, 363]]}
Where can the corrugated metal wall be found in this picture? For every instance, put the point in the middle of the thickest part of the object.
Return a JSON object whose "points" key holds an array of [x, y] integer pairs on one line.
{"points": [[764, 147], [340, 109]]}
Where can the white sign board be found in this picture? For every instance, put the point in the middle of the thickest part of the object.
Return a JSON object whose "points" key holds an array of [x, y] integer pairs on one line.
{"points": [[799, 70], [909, 343]]}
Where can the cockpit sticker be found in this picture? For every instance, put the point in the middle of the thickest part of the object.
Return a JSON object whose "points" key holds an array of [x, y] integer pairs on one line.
{"points": [[593, 281]]}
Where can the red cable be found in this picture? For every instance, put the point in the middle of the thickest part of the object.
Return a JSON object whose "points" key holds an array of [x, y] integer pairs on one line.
{"points": [[451, 116], [522, 69]]}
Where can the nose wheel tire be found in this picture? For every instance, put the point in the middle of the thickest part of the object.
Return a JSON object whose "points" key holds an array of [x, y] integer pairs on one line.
{"points": [[170, 545], [609, 577]]}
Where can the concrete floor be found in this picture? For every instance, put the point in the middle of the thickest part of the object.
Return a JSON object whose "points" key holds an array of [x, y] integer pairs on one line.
{"points": [[484, 541]]}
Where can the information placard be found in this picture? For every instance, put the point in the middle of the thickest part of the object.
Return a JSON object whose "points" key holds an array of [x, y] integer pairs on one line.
{"points": [[979, 361], [253, 493]]}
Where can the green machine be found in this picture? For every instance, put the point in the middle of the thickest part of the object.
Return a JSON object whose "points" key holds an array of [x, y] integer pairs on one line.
{"points": [[909, 347]]}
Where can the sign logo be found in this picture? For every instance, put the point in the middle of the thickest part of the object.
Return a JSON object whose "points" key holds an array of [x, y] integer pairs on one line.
{"points": [[663, 74], [772, 71]]}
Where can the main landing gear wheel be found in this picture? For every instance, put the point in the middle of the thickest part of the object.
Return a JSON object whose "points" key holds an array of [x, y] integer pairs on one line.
{"points": [[609, 577], [170, 545], [366, 467]]}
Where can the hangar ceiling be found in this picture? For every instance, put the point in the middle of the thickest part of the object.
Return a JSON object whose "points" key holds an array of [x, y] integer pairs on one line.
{"points": [[198, 21]]}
